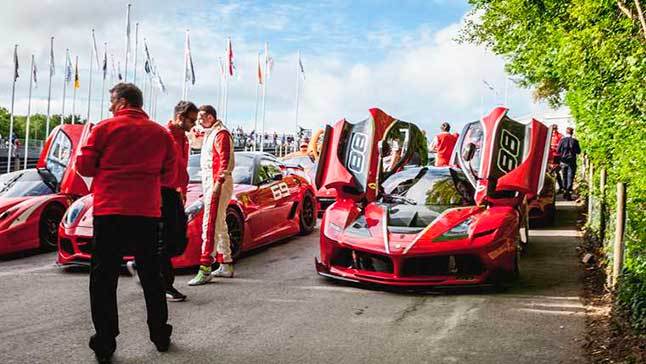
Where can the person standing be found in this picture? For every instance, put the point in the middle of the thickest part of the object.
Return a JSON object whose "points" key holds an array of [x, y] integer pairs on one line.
{"points": [[568, 149], [443, 145], [554, 163], [130, 157], [216, 162]]}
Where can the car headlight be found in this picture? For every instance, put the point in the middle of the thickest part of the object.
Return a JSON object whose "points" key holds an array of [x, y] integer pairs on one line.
{"points": [[73, 213], [193, 209], [333, 231], [457, 232]]}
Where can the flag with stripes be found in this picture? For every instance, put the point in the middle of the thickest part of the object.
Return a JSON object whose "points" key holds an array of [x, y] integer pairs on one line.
{"points": [[230, 65]]}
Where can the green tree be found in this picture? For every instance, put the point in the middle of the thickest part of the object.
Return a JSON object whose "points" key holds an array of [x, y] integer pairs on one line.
{"points": [[591, 56]]}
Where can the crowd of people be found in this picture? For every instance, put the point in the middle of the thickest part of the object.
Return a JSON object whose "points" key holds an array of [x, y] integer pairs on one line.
{"points": [[243, 140]]}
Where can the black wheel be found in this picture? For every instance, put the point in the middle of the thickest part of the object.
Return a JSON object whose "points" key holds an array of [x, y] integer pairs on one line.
{"points": [[235, 227], [48, 226], [307, 220]]}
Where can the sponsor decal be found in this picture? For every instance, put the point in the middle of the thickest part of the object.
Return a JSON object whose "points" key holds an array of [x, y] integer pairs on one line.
{"points": [[280, 190]]}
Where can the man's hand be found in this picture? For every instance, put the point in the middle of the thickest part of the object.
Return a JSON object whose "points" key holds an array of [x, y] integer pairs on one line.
{"points": [[217, 186]]}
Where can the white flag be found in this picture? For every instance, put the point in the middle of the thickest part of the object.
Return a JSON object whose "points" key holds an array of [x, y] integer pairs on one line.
{"points": [[96, 51], [189, 72], [52, 66], [68, 66]]}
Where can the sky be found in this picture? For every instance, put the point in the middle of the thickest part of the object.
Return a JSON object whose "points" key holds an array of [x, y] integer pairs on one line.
{"points": [[399, 56]]}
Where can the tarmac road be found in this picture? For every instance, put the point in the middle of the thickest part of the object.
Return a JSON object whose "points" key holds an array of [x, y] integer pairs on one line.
{"points": [[277, 310]]}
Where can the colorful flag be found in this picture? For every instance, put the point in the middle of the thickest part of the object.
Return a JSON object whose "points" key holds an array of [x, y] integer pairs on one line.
{"points": [[300, 65], [77, 81], [15, 63], [259, 71], [189, 73], [68, 66], [230, 65], [104, 68], [35, 72]]}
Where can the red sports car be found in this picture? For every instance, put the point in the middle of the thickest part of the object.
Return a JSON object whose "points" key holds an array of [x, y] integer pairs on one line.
{"points": [[399, 222], [32, 201], [269, 203], [324, 196]]}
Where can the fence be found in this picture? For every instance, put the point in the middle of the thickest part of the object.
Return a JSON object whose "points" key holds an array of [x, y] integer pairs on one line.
{"points": [[604, 221]]}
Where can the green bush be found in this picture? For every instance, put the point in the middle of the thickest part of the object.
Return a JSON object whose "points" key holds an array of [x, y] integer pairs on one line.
{"points": [[590, 56]]}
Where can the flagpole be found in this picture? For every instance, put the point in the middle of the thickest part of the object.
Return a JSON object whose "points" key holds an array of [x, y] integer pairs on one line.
{"points": [[134, 78], [13, 94], [185, 88], [150, 98], [67, 51], [264, 95], [89, 88], [105, 70], [255, 119], [125, 74], [74, 94], [219, 106], [298, 91], [49, 93], [31, 82]]}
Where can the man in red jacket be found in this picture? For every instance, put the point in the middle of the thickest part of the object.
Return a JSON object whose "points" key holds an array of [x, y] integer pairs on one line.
{"points": [[216, 162], [443, 145], [130, 157]]}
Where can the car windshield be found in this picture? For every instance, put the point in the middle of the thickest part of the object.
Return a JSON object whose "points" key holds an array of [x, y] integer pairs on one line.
{"points": [[430, 186], [241, 172], [304, 161], [23, 183]]}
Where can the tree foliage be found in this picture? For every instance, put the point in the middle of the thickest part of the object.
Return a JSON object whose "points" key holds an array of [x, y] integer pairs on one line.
{"points": [[591, 56], [37, 124]]}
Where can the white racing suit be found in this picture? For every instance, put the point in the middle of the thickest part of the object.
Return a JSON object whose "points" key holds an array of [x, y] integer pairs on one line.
{"points": [[216, 162]]}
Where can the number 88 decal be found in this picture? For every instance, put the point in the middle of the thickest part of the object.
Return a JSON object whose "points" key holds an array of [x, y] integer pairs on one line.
{"points": [[508, 154], [356, 158]]}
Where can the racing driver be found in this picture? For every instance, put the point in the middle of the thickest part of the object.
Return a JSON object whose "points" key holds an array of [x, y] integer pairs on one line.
{"points": [[216, 162]]}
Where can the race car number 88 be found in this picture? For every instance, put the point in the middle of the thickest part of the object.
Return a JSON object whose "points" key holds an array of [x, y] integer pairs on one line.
{"points": [[356, 158], [508, 153]]}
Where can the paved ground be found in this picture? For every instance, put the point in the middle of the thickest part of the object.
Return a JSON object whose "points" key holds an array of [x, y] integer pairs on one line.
{"points": [[278, 310]]}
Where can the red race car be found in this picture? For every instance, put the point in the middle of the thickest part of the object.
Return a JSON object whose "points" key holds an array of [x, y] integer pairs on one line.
{"points": [[399, 222], [32, 201], [269, 203]]}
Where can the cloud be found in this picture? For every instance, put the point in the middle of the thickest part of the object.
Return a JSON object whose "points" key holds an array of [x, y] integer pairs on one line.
{"points": [[418, 74]]}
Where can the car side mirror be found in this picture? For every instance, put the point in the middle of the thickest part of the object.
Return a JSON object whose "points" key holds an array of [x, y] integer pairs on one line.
{"points": [[468, 152], [278, 177]]}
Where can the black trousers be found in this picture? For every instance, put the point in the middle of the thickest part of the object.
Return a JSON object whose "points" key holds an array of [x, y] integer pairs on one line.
{"points": [[172, 238], [114, 237]]}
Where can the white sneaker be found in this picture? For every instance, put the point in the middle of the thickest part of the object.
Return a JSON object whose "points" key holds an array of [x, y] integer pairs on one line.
{"points": [[225, 270], [130, 265]]}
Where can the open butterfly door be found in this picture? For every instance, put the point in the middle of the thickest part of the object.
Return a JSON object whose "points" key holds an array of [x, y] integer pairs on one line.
{"points": [[502, 156], [355, 157]]}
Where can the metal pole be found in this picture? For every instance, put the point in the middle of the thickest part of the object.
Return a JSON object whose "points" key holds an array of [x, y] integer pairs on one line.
{"points": [[89, 84], [264, 95], [618, 256], [13, 94], [105, 48], [49, 92], [125, 74], [590, 192], [185, 87], [74, 94], [31, 82], [602, 209], [298, 90], [134, 78], [64, 86]]}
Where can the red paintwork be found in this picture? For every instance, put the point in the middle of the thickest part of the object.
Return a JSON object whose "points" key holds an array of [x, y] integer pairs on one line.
{"points": [[492, 236], [19, 230], [266, 220]]}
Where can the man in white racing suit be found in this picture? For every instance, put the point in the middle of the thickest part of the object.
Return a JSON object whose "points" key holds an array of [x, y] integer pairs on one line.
{"points": [[216, 162]]}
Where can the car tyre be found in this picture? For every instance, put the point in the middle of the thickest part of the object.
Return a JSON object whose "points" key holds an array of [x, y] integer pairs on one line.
{"points": [[50, 218], [235, 228], [307, 219]]}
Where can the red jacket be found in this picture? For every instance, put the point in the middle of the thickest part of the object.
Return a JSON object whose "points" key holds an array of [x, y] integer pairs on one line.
{"points": [[130, 157], [181, 152], [445, 142], [222, 155]]}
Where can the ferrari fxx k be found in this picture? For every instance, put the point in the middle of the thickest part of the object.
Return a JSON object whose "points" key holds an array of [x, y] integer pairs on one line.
{"points": [[399, 222], [269, 203], [32, 201]]}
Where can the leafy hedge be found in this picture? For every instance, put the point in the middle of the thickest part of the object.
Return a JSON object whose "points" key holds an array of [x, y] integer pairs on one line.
{"points": [[591, 56]]}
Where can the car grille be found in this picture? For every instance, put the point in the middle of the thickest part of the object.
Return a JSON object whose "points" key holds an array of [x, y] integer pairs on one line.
{"points": [[85, 245], [66, 246], [324, 203], [442, 265], [355, 259]]}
